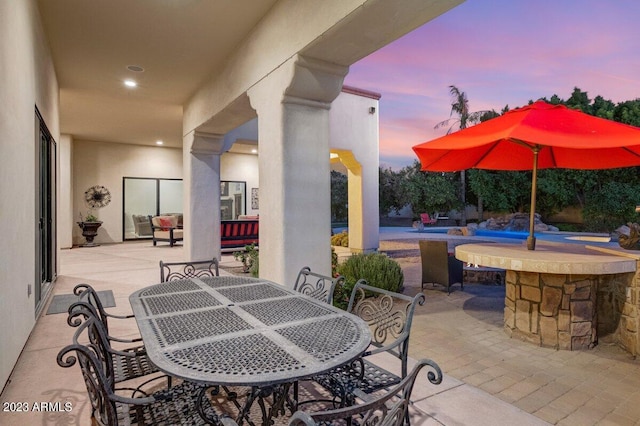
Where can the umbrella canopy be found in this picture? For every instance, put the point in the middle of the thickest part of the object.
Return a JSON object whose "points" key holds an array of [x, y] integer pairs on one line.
{"points": [[537, 136]]}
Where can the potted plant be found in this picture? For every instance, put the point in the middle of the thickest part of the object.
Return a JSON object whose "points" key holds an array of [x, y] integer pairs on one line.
{"points": [[89, 225], [249, 258]]}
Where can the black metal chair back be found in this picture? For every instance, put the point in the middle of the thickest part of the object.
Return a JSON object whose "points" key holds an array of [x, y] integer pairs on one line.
{"points": [[170, 271], [389, 316], [96, 371], [120, 364], [318, 286], [186, 403], [88, 294], [388, 409]]}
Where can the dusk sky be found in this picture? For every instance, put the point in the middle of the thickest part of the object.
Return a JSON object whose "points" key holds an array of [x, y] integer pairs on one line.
{"points": [[500, 52]]}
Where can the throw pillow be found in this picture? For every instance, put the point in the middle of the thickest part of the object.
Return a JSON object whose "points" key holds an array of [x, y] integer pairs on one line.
{"points": [[165, 223]]}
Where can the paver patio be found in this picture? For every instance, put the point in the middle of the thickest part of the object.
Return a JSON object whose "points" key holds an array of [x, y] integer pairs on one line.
{"points": [[489, 378]]}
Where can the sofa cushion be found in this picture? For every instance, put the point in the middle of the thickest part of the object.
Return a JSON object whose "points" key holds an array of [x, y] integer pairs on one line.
{"points": [[172, 224], [177, 234], [239, 233], [165, 223]]}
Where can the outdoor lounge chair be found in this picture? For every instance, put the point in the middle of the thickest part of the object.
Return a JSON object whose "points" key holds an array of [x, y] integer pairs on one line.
{"points": [[185, 403], [427, 220], [315, 285], [389, 316], [390, 408], [170, 271], [438, 266], [166, 228]]}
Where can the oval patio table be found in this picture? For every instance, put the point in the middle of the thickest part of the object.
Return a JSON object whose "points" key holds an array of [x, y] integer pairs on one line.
{"points": [[240, 331]]}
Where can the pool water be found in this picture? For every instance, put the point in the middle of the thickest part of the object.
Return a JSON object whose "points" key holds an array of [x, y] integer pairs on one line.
{"points": [[559, 237]]}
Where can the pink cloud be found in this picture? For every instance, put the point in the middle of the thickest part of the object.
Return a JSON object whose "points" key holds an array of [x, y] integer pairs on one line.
{"points": [[504, 53]]}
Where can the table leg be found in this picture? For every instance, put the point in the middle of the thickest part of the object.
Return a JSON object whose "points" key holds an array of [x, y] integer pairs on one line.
{"points": [[276, 407]]}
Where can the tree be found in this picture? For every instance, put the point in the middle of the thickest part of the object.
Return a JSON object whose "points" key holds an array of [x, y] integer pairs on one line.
{"points": [[390, 191], [612, 206], [339, 197], [463, 118], [426, 191], [504, 191]]}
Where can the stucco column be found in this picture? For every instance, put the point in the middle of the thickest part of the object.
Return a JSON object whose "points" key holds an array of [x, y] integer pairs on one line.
{"points": [[201, 178], [293, 132], [65, 214], [364, 220]]}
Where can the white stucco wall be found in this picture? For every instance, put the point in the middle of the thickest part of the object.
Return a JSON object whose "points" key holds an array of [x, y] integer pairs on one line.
{"points": [[27, 80], [354, 127], [103, 163]]}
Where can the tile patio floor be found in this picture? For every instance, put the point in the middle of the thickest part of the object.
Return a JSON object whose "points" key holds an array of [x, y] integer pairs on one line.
{"points": [[490, 379]]}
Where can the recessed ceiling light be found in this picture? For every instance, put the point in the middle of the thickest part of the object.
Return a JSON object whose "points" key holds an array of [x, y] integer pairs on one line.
{"points": [[135, 68], [159, 142], [254, 151], [130, 83]]}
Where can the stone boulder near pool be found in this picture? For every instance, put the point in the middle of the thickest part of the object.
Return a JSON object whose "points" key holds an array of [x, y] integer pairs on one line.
{"points": [[516, 222], [629, 236]]}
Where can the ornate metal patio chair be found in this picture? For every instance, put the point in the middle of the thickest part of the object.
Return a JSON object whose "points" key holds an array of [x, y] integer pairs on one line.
{"points": [[320, 287], [185, 403], [317, 286], [438, 266], [183, 270], [389, 408], [88, 294], [389, 316], [126, 364]]}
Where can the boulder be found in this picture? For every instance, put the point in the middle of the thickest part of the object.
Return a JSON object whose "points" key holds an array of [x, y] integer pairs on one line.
{"points": [[516, 222]]}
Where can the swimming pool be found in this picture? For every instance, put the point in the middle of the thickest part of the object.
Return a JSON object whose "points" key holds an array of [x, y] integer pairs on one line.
{"points": [[559, 237]]}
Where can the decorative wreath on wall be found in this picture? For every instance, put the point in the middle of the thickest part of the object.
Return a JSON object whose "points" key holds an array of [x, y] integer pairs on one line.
{"points": [[97, 196]]}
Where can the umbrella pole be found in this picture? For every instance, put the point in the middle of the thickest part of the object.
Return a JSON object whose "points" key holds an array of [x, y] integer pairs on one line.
{"points": [[531, 240]]}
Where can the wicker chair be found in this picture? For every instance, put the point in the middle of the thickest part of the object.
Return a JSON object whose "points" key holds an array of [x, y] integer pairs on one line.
{"points": [[185, 403], [315, 285], [389, 409], [438, 267], [183, 270], [389, 316]]}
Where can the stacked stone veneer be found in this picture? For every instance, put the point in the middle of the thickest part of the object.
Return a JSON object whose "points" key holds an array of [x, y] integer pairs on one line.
{"points": [[571, 312], [478, 275], [618, 307]]}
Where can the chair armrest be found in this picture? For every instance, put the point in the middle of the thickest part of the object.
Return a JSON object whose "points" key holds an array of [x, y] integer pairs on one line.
{"points": [[119, 340], [120, 316]]}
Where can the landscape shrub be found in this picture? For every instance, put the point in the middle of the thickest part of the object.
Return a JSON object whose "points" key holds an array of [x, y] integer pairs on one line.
{"points": [[341, 239], [378, 269]]}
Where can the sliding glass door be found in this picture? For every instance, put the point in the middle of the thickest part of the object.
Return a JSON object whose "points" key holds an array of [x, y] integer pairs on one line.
{"points": [[45, 213], [144, 197]]}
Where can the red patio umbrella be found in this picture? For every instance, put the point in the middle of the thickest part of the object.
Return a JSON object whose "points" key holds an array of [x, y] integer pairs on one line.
{"points": [[537, 136]]}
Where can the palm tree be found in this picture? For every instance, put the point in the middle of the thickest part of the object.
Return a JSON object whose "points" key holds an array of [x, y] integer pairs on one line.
{"points": [[460, 107]]}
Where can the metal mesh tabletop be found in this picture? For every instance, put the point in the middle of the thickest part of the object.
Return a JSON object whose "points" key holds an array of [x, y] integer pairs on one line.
{"points": [[164, 304], [243, 331]]}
